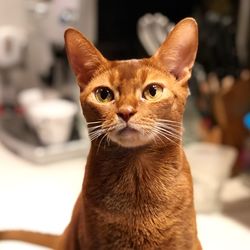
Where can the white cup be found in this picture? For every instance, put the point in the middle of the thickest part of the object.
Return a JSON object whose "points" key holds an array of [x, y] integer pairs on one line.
{"points": [[53, 120], [30, 96]]}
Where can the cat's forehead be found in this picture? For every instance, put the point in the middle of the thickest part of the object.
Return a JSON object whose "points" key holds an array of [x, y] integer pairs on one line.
{"points": [[126, 70], [133, 72]]}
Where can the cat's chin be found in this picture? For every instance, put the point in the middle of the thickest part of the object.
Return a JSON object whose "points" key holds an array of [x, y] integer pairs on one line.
{"points": [[129, 138], [131, 143]]}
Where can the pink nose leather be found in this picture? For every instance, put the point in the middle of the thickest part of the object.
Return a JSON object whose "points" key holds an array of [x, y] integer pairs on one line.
{"points": [[126, 112]]}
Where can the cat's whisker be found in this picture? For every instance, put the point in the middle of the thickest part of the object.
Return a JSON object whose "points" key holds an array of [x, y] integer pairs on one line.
{"points": [[166, 120], [102, 131], [105, 134], [158, 137], [172, 135], [94, 128], [166, 134], [94, 137], [95, 131], [165, 125], [108, 140], [169, 128], [172, 131], [177, 135], [159, 134], [170, 124], [94, 122], [174, 125], [95, 134], [177, 130]]}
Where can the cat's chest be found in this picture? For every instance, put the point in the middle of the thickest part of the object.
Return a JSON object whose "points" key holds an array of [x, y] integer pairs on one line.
{"points": [[129, 231], [134, 230], [137, 201], [139, 190], [137, 210]]}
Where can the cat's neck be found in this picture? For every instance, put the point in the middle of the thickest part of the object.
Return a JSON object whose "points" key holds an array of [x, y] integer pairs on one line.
{"points": [[148, 154], [143, 162], [138, 179]]}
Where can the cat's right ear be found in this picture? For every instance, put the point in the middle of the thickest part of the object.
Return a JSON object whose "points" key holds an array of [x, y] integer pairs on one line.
{"points": [[83, 57]]}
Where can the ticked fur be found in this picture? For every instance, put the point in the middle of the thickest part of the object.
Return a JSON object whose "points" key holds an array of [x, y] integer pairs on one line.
{"points": [[137, 190]]}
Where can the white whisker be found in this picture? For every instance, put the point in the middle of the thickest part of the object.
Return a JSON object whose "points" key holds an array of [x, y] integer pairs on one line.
{"points": [[94, 122], [168, 133], [173, 135], [165, 136], [100, 130], [177, 136], [169, 129], [168, 121], [101, 141], [169, 125], [95, 134], [158, 136], [94, 128]]}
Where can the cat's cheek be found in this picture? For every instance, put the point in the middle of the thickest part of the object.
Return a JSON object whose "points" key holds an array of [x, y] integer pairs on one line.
{"points": [[174, 106]]}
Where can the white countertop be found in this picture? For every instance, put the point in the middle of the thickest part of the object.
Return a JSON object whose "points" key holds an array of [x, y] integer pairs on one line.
{"points": [[41, 198]]}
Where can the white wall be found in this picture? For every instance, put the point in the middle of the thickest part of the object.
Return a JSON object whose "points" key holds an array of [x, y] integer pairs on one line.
{"points": [[13, 12]]}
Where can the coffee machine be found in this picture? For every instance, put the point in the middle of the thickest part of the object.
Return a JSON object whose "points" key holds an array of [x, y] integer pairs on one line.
{"points": [[42, 57]]}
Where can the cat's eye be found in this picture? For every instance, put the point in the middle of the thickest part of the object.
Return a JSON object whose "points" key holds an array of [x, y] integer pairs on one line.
{"points": [[153, 92], [104, 94]]}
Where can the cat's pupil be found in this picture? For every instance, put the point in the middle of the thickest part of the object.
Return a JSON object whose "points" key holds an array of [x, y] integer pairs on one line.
{"points": [[152, 90], [104, 93]]}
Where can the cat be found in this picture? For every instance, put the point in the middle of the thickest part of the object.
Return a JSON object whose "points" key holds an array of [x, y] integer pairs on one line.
{"points": [[137, 190]]}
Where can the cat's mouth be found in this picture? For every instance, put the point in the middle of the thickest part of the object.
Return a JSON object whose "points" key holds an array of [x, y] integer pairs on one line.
{"points": [[128, 130], [128, 136]]}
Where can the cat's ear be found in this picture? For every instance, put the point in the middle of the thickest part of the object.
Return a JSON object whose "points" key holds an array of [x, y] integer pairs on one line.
{"points": [[177, 53], [83, 57]]}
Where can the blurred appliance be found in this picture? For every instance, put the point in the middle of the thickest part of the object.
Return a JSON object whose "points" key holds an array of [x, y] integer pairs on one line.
{"points": [[52, 69], [16, 135], [47, 21], [152, 29], [13, 43]]}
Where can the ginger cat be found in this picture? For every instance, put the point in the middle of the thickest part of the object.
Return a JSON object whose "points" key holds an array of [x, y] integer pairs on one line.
{"points": [[137, 190]]}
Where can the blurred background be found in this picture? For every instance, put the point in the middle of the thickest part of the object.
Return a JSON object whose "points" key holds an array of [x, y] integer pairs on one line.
{"points": [[43, 139]]}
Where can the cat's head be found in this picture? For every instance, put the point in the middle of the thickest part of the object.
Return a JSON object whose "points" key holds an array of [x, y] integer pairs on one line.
{"points": [[135, 102]]}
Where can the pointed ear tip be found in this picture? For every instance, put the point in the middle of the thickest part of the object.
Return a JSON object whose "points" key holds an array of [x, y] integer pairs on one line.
{"points": [[71, 31], [189, 21], [190, 25]]}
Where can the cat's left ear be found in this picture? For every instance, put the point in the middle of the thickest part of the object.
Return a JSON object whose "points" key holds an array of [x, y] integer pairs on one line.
{"points": [[83, 56], [177, 53]]}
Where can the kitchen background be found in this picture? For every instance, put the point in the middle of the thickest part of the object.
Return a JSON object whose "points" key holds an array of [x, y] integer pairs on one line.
{"points": [[43, 139]]}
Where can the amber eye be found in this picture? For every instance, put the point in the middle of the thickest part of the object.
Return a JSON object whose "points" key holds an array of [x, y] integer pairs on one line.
{"points": [[152, 92], [104, 94]]}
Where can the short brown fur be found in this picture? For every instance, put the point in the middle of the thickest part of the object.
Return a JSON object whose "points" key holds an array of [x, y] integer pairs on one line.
{"points": [[135, 195]]}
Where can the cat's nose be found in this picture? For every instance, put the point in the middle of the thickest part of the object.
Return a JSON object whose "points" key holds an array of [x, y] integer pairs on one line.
{"points": [[126, 112]]}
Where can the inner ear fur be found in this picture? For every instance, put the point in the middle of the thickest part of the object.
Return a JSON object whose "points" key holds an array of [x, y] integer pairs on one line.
{"points": [[178, 52], [82, 55]]}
